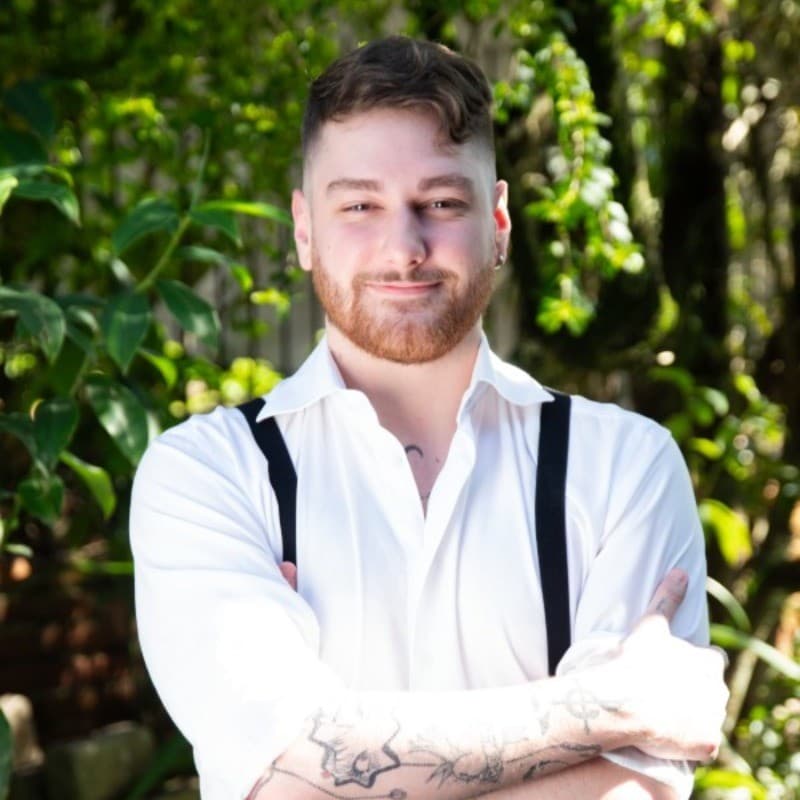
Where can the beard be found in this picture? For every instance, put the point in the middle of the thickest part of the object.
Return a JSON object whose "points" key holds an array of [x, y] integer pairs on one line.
{"points": [[407, 330]]}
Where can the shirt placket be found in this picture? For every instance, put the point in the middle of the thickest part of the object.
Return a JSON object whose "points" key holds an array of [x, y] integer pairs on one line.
{"points": [[441, 520]]}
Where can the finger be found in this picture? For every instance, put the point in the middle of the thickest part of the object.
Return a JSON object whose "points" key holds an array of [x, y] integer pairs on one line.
{"points": [[669, 594], [289, 571]]}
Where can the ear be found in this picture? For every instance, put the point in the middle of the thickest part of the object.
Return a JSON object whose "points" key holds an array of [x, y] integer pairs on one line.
{"points": [[502, 221], [302, 228]]}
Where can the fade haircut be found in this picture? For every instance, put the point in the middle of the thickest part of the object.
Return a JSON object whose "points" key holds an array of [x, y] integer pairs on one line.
{"points": [[402, 73]]}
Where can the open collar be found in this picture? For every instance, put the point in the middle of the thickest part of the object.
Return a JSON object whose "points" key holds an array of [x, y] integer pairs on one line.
{"points": [[319, 377]]}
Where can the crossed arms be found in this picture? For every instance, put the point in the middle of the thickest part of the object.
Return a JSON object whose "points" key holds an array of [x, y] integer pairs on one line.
{"points": [[231, 650], [538, 740]]}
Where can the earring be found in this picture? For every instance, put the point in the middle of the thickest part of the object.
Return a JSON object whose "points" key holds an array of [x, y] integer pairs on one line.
{"points": [[501, 259]]}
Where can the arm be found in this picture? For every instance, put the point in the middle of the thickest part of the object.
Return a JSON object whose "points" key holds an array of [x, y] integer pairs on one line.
{"points": [[232, 651], [597, 779], [468, 744], [649, 526]]}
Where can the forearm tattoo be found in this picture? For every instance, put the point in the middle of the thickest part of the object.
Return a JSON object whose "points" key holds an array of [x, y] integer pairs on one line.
{"points": [[360, 751]]}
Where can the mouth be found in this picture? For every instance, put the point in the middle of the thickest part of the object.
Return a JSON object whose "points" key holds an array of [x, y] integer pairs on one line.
{"points": [[403, 288]]}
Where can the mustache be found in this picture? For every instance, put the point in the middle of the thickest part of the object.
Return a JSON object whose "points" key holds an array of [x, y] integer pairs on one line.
{"points": [[417, 275]]}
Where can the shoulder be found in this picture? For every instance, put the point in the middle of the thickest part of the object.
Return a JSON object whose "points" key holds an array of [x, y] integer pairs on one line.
{"points": [[621, 450], [612, 426], [214, 442]]}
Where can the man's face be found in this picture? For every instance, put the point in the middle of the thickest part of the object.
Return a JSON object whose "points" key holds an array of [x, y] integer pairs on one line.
{"points": [[401, 233]]}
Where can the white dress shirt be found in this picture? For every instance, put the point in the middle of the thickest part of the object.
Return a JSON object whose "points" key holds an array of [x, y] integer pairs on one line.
{"points": [[390, 598]]}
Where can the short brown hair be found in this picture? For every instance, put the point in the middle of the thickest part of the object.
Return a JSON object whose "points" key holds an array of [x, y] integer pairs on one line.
{"points": [[403, 73]]}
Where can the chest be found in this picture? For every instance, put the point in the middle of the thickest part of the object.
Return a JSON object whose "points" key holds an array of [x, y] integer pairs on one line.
{"points": [[447, 599]]}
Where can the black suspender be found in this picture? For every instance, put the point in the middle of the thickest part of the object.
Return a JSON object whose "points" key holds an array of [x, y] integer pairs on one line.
{"points": [[551, 524], [551, 529], [281, 472]]}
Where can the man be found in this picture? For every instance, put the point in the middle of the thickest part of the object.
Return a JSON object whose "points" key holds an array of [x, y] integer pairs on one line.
{"points": [[411, 661]]}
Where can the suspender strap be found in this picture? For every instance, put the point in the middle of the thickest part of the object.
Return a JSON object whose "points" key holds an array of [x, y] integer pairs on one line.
{"points": [[281, 472], [551, 524]]}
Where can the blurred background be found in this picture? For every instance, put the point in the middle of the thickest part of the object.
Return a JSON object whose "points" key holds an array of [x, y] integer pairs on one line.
{"points": [[147, 153]]}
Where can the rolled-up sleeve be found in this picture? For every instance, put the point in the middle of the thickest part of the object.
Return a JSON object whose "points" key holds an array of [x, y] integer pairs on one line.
{"points": [[651, 526], [232, 650]]}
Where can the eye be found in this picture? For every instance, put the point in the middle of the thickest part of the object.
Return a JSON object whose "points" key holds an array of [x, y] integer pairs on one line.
{"points": [[447, 204], [358, 207]]}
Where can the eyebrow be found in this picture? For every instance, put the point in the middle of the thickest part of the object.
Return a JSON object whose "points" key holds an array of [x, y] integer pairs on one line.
{"points": [[343, 184], [452, 181]]}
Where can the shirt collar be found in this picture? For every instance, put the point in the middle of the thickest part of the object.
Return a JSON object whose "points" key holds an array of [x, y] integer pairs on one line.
{"points": [[319, 377], [511, 383]]}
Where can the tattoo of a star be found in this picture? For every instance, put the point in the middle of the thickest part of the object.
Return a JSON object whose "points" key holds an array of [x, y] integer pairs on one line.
{"points": [[347, 757]]}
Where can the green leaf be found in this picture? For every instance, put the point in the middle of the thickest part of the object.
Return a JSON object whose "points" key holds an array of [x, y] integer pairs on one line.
{"points": [[558, 312], [715, 778], [19, 550], [54, 423], [727, 599], [7, 185], [125, 323], [42, 496], [68, 369], [709, 448], [173, 756], [167, 368], [24, 171], [6, 752], [150, 216], [262, 210], [243, 276], [120, 413], [731, 531], [20, 426], [726, 636], [61, 196], [192, 312], [117, 568], [26, 99], [678, 376], [41, 317], [716, 399], [22, 147], [97, 481], [279, 300], [219, 219], [206, 255], [202, 255]]}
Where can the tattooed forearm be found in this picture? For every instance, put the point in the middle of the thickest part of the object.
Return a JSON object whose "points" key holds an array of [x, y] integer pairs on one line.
{"points": [[382, 749], [353, 751], [393, 794], [580, 703], [451, 763], [547, 761]]}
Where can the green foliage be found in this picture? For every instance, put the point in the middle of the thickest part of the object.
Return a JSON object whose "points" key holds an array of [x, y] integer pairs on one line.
{"points": [[147, 152], [6, 750], [91, 343], [587, 230]]}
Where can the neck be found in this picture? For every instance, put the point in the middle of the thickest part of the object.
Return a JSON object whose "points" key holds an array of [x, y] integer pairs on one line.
{"points": [[409, 398]]}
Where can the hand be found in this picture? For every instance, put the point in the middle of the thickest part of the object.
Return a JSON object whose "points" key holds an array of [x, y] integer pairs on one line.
{"points": [[674, 689], [289, 571]]}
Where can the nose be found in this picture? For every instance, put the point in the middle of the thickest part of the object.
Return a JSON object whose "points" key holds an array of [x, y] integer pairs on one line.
{"points": [[404, 243]]}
